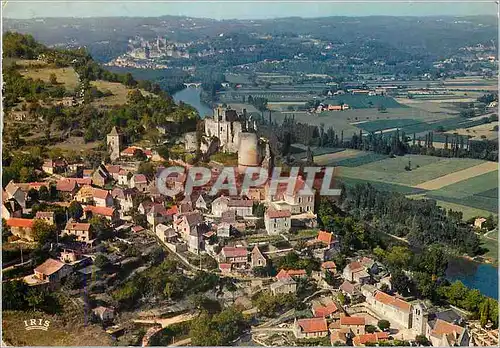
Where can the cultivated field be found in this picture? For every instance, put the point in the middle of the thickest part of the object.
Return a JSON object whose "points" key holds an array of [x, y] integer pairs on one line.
{"points": [[66, 76], [337, 156], [459, 176], [477, 132], [392, 170]]}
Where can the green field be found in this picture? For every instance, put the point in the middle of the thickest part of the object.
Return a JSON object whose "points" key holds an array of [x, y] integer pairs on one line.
{"points": [[492, 247], [364, 101], [382, 186], [392, 170], [362, 159]]}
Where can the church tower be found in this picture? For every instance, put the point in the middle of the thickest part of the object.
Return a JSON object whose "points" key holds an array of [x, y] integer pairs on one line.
{"points": [[114, 142]]}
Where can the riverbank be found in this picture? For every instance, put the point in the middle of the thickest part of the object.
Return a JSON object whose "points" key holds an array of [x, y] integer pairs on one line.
{"points": [[192, 96]]}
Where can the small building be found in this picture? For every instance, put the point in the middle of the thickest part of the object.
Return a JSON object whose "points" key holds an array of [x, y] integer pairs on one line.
{"points": [[310, 328], [11, 209], [242, 207], [22, 228], [101, 176], [102, 198], [390, 307], [355, 272], [54, 166], [356, 325], [122, 177], [349, 289], [236, 256], [284, 286], [277, 221], [444, 334], [67, 187], [104, 314], [106, 212], [52, 271], [257, 259], [478, 222], [82, 231], [139, 181], [370, 339], [165, 233], [47, 216], [324, 310]]}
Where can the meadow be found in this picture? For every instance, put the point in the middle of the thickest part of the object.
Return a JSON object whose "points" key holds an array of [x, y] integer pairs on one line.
{"points": [[66, 76], [119, 93], [364, 101]]}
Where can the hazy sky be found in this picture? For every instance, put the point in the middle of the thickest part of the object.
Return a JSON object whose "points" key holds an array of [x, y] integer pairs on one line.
{"points": [[257, 9]]}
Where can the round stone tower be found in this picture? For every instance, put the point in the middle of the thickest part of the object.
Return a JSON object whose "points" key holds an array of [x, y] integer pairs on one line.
{"points": [[248, 151]]}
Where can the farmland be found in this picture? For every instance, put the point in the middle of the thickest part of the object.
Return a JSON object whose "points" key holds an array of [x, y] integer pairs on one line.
{"points": [[119, 93], [463, 184]]}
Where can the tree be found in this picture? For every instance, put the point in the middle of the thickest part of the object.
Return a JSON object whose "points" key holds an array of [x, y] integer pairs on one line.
{"points": [[33, 195], [383, 324], [370, 328], [101, 227], [421, 340], [44, 193], [35, 298], [75, 210], [43, 231], [101, 261], [398, 257]]}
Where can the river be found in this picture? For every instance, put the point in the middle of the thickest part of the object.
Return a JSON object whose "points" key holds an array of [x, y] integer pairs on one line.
{"points": [[191, 96], [474, 275]]}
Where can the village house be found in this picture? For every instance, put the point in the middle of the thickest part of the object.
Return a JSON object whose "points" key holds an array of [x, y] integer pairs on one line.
{"points": [[328, 266], [139, 181], [191, 227], [444, 334], [370, 339], [196, 200], [113, 170], [277, 221], [310, 328], [104, 314], [124, 199], [219, 206], [294, 273], [51, 272], [47, 216], [390, 307], [297, 202], [356, 325], [165, 233], [257, 259], [101, 176], [349, 289], [478, 222], [284, 285], [355, 272], [324, 309], [54, 166], [66, 188], [22, 228], [14, 192], [242, 207], [102, 198], [236, 256], [327, 239], [10, 208], [82, 231], [69, 256], [122, 177], [106, 212]]}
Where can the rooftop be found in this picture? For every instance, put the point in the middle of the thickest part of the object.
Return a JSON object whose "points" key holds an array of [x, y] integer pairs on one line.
{"points": [[313, 325]]}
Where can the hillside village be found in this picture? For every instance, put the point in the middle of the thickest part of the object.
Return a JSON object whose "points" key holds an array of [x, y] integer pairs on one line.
{"points": [[95, 235], [113, 218]]}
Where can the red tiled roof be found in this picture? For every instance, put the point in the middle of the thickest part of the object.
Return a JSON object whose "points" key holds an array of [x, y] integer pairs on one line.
{"points": [[66, 185], [325, 237], [104, 211], [392, 301], [224, 266], [130, 150], [352, 321], [276, 214], [234, 252], [355, 266], [140, 178], [240, 203], [77, 226], [323, 311], [296, 272], [348, 287], [113, 169], [442, 327], [50, 266], [20, 222], [99, 193], [283, 274], [313, 325], [44, 214], [371, 337], [137, 228], [328, 265], [172, 210]]}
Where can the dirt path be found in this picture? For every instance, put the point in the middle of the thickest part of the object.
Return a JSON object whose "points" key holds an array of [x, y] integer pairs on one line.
{"points": [[461, 175], [164, 322]]}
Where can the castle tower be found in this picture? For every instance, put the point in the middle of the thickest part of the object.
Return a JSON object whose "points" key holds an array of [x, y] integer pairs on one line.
{"points": [[114, 142]]}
